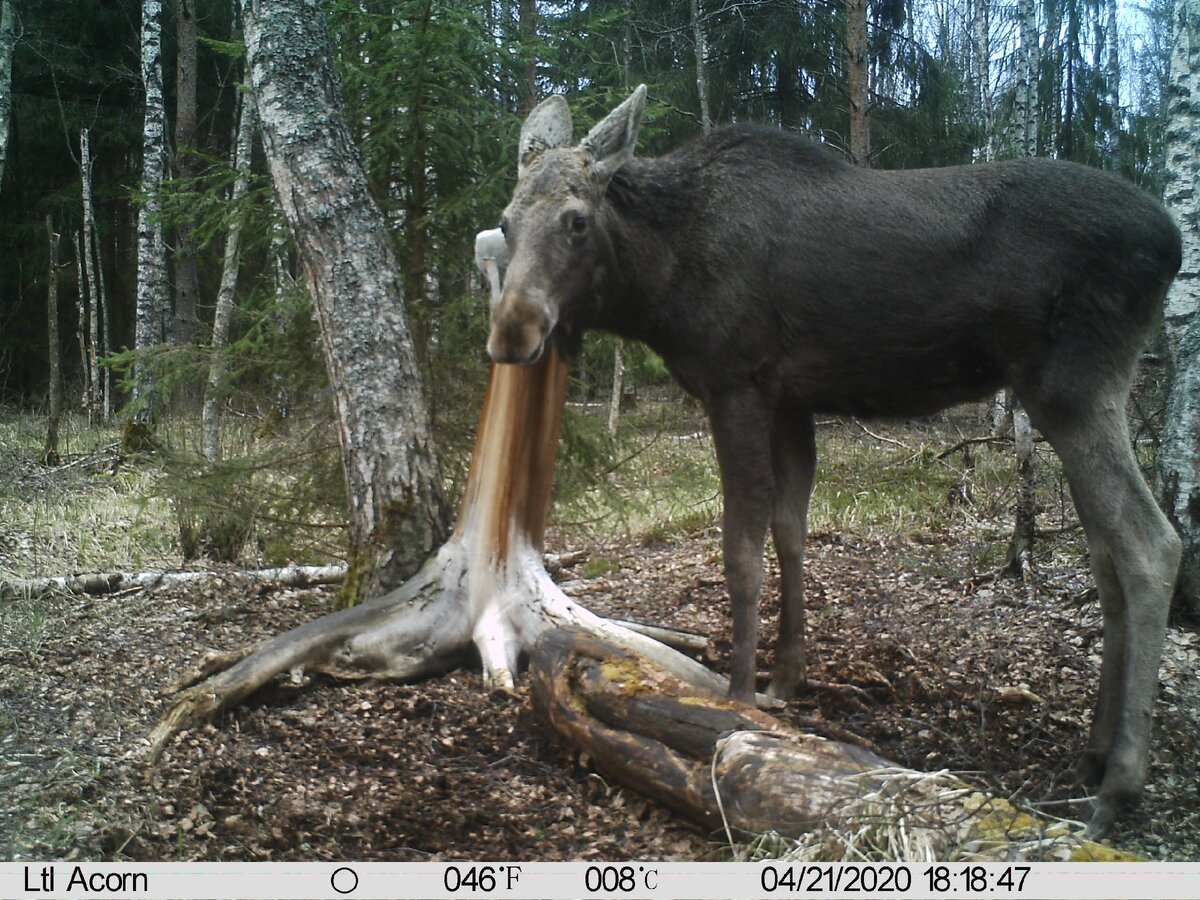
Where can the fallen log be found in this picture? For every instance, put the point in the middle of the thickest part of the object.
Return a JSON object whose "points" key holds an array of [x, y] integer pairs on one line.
{"points": [[729, 766], [100, 583]]}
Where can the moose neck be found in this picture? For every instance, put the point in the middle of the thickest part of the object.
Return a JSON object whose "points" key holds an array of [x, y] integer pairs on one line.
{"points": [[644, 210]]}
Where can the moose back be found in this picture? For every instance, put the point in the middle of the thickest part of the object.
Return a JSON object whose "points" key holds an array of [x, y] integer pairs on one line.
{"points": [[777, 281]]}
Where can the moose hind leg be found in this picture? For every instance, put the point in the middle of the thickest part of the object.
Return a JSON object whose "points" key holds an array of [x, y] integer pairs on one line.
{"points": [[1135, 555], [741, 434], [794, 456]]}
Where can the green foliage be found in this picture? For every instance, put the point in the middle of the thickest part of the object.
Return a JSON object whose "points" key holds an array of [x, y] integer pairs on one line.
{"points": [[279, 498]]}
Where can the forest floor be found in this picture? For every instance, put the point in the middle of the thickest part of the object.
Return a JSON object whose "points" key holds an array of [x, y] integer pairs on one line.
{"points": [[958, 670]]}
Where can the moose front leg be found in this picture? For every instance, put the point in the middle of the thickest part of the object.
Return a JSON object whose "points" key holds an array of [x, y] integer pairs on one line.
{"points": [[742, 435]]}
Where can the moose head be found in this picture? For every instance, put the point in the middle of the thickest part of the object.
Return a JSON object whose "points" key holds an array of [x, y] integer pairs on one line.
{"points": [[556, 227]]}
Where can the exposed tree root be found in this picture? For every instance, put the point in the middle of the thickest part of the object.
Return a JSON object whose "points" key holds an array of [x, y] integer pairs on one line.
{"points": [[424, 627]]}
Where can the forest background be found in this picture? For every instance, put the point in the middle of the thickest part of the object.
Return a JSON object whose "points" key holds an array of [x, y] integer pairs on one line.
{"points": [[200, 410]]}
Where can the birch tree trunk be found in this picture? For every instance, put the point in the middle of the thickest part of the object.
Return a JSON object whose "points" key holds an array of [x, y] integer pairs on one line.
{"points": [[700, 39], [1025, 118], [1183, 168], [210, 433], [398, 513], [81, 326], [153, 289], [981, 16], [614, 400], [91, 270], [858, 80], [1112, 75], [1023, 132], [1179, 453], [8, 40], [187, 284], [50, 451]]}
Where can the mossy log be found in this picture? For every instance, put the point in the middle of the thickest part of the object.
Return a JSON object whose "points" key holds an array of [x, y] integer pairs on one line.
{"points": [[729, 766]]}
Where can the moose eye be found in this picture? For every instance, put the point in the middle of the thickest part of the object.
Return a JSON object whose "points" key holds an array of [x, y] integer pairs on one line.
{"points": [[579, 224]]}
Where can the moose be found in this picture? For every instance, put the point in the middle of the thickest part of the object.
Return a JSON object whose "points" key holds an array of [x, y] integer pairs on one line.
{"points": [[778, 281]]}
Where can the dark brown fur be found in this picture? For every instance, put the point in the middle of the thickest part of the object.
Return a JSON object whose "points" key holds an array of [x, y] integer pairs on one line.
{"points": [[777, 281]]}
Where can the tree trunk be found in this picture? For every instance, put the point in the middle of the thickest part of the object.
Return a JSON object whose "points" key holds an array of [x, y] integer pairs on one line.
{"points": [[527, 11], [983, 74], [1182, 194], [398, 513], [1112, 75], [153, 289], [50, 451], [8, 40], [1020, 551], [210, 432], [1179, 454], [1023, 94], [614, 400], [486, 586], [700, 40], [857, 56], [91, 258], [81, 327], [187, 282]]}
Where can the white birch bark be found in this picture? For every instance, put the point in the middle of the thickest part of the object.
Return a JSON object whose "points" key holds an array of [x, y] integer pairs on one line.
{"points": [[1112, 75], [153, 290], [1179, 454], [1179, 463], [210, 434], [398, 512], [1023, 131], [981, 33], [700, 39], [91, 272], [81, 326], [8, 40], [50, 450], [1182, 194], [614, 400]]}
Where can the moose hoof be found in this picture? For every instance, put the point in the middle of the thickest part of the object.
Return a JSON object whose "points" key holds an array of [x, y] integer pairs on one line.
{"points": [[1101, 823]]}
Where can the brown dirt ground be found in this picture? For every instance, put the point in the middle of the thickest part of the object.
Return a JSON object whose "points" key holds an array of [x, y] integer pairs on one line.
{"points": [[444, 770]]}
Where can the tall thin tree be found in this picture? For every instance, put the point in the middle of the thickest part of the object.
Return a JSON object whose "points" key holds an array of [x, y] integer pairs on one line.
{"points": [[187, 279], [91, 267], [153, 288], [8, 40], [1183, 165], [1179, 454], [858, 81], [700, 41], [50, 451], [210, 436]]}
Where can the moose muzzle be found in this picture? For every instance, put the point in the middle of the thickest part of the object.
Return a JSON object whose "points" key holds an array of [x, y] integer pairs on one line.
{"points": [[521, 322]]}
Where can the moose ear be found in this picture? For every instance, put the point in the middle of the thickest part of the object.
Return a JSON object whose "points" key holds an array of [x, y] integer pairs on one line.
{"points": [[612, 141], [548, 126]]}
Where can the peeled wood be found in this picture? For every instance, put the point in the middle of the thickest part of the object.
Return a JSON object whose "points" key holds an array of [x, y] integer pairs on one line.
{"points": [[486, 587]]}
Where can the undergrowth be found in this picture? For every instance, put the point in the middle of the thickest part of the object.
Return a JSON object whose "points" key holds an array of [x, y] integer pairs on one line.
{"points": [[278, 496]]}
